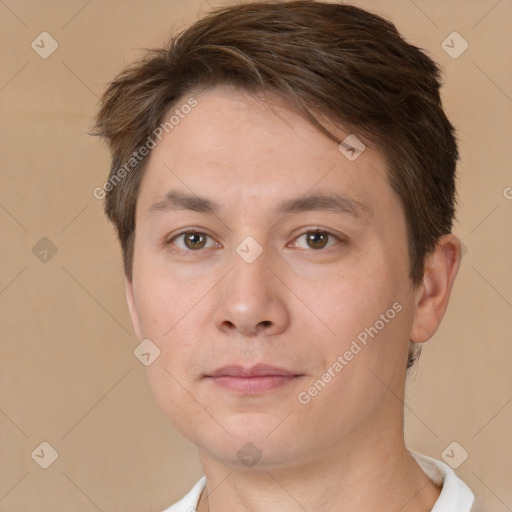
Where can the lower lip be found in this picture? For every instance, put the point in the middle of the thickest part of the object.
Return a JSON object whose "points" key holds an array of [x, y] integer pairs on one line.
{"points": [[253, 385]]}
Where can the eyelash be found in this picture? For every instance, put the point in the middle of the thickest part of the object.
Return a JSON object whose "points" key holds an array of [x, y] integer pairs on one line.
{"points": [[169, 241]]}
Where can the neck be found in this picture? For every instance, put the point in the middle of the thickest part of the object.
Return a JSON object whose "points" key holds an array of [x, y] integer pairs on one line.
{"points": [[363, 474]]}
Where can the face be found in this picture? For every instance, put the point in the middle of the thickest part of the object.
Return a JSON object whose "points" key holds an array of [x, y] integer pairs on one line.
{"points": [[272, 273]]}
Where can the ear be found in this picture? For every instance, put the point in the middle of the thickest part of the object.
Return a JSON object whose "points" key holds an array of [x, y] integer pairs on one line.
{"points": [[432, 294], [130, 298]]}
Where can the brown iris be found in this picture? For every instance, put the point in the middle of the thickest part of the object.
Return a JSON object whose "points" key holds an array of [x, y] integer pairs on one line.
{"points": [[195, 240], [317, 240]]}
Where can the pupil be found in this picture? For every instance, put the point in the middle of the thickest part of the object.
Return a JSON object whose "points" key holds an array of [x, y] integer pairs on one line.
{"points": [[317, 240], [194, 240]]}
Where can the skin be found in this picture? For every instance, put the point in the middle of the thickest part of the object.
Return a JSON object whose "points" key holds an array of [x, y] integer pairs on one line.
{"points": [[295, 307]]}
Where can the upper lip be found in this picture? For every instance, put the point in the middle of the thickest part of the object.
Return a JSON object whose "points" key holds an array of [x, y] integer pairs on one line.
{"points": [[257, 370]]}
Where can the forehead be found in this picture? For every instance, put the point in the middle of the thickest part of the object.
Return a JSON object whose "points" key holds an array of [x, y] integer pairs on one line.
{"points": [[238, 148]]}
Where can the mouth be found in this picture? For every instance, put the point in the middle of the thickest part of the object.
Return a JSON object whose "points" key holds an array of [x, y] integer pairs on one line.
{"points": [[252, 380]]}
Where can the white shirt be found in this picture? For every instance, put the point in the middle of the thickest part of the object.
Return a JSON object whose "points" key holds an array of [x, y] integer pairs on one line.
{"points": [[455, 495]]}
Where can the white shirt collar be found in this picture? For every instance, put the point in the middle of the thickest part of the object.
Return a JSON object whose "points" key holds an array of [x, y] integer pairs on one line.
{"points": [[455, 494]]}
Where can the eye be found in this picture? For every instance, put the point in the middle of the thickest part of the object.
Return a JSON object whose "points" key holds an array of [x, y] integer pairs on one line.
{"points": [[316, 239], [192, 241]]}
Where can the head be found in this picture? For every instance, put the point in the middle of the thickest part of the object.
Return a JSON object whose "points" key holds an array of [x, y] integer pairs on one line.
{"points": [[253, 234]]}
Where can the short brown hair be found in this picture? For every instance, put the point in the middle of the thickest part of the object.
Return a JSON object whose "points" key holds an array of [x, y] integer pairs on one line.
{"points": [[333, 60]]}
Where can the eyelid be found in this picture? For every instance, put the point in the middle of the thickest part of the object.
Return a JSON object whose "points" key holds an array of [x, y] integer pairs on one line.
{"points": [[168, 240], [319, 229]]}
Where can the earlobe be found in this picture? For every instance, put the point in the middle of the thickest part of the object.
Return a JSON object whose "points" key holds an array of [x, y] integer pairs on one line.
{"points": [[132, 307], [432, 295]]}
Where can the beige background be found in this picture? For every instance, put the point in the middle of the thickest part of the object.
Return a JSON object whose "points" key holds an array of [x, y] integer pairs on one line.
{"points": [[67, 369]]}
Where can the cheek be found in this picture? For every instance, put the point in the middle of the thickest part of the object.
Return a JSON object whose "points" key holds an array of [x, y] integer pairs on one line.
{"points": [[161, 300], [169, 310], [168, 389], [366, 312], [349, 301]]}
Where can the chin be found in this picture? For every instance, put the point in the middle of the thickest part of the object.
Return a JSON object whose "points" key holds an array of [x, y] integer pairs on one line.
{"points": [[241, 452], [255, 439]]}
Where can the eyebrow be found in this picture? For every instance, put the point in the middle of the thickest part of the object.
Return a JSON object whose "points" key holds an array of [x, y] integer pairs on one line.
{"points": [[175, 201]]}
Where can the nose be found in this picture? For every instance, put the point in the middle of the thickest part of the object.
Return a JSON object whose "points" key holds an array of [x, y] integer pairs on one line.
{"points": [[252, 300]]}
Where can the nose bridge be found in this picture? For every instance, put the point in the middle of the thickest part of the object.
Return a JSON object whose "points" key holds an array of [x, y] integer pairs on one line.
{"points": [[250, 278], [251, 299]]}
